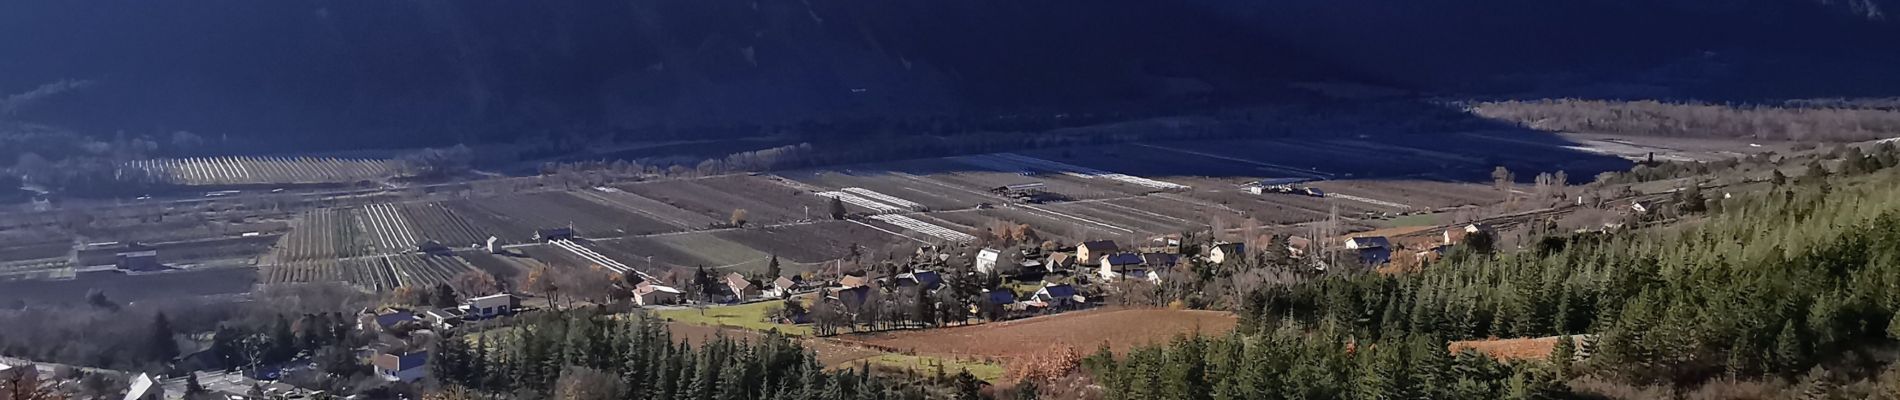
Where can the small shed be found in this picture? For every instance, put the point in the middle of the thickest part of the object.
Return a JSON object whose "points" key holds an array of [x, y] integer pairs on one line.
{"points": [[553, 234]]}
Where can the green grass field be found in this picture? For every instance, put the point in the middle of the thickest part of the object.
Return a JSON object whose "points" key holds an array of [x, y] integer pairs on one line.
{"points": [[1414, 220], [928, 365], [746, 316]]}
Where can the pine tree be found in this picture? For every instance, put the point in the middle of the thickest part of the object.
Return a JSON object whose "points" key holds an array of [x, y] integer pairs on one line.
{"points": [[163, 347], [1563, 354], [772, 269], [191, 383], [968, 387], [1790, 352]]}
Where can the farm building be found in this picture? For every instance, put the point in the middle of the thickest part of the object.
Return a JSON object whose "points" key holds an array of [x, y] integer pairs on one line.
{"points": [[986, 260], [127, 256], [443, 318], [740, 287], [1371, 250], [553, 234], [1090, 252], [1222, 252], [406, 367], [490, 306], [1455, 236], [649, 294]]}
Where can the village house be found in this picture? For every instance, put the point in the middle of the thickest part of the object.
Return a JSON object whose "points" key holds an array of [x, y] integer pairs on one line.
{"points": [[1223, 252], [1055, 296], [783, 287], [851, 281], [382, 321], [1115, 267], [986, 260], [1298, 246], [1371, 250], [1091, 252], [490, 306], [1060, 260], [740, 287], [929, 280], [1160, 261], [1454, 236], [444, 319], [408, 367], [649, 294]]}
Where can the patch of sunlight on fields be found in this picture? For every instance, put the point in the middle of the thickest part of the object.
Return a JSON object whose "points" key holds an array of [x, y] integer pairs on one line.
{"points": [[745, 316]]}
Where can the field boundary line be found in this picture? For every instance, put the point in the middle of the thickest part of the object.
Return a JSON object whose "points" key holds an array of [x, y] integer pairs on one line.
{"points": [[1281, 168], [887, 231]]}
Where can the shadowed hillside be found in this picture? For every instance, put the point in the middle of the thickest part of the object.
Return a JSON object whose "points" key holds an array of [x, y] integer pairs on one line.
{"points": [[306, 73]]}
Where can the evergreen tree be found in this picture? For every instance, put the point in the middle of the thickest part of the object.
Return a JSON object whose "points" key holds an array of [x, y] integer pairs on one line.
{"points": [[191, 383], [1790, 352], [836, 208], [772, 269], [967, 386], [163, 347]]}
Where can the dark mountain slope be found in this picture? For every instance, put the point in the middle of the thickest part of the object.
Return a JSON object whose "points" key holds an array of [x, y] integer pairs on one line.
{"points": [[420, 72]]}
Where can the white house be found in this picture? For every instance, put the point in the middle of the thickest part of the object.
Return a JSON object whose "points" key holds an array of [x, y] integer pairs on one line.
{"points": [[1114, 267], [1226, 251], [490, 306], [649, 294], [986, 260]]}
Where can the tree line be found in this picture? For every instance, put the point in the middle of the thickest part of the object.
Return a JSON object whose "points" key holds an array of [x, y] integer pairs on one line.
{"points": [[585, 354]]}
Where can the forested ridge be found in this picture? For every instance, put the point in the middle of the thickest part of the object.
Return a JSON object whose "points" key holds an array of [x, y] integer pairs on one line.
{"points": [[1798, 284], [583, 355]]}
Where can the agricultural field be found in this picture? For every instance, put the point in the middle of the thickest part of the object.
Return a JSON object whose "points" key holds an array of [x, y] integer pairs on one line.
{"points": [[216, 171], [326, 234], [426, 270], [682, 219], [909, 187], [685, 251], [1120, 329], [765, 201], [745, 316], [129, 288], [372, 274], [525, 213], [438, 222], [504, 268], [810, 243]]}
